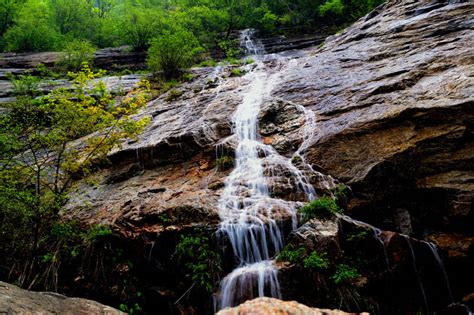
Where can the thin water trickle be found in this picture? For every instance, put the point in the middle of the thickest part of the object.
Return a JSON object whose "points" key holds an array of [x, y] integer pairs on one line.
{"points": [[435, 252], [250, 216], [415, 269]]}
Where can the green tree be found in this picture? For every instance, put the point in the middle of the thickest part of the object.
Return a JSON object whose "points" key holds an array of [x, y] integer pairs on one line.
{"points": [[173, 51], [33, 30], [40, 157], [139, 26], [76, 53]]}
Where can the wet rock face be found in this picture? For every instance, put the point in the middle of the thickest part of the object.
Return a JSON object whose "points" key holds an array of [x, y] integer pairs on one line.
{"points": [[14, 300], [393, 99], [269, 306]]}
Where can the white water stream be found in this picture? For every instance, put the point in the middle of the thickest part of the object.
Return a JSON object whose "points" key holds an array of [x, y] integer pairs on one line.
{"points": [[249, 215]]}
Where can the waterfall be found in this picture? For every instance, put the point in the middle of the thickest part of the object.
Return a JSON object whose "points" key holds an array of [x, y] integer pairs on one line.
{"points": [[250, 217]]}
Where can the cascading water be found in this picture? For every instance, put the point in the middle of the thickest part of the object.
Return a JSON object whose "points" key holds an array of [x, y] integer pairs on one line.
{"points": [[249, 215]]}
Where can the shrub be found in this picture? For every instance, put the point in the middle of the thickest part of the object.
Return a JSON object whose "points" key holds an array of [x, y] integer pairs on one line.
{"points": [[224, 162], [316, 261], [25, 85], [292, 255], [341, 194], [75, 54], [324, 207], [236, 72], [173, 51], [333, 7], [344, 274], [199, 259], [173, 95]]}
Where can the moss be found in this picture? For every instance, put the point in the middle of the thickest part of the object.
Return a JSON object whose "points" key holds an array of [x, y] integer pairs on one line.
{"points": [[324, 207]]}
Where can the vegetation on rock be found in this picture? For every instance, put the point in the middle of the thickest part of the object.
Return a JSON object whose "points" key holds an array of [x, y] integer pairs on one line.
{"points": [[39, 161], [324, 207]]}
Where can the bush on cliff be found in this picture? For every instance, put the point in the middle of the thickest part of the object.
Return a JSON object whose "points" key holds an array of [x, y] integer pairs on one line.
{"points": [[39, 163], [322, 208]]}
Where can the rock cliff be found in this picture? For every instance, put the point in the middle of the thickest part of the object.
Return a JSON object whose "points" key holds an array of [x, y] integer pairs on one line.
{"points": [[392, 99]]}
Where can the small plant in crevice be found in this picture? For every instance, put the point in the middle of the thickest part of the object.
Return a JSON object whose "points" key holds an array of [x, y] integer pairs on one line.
{"points": [[292, 255], [24, 85], [342, 194], [344, 274], [199, 259], [357, 236], [236, 72], [173, 95], [316, 261], [225, 162], [322, 208]]}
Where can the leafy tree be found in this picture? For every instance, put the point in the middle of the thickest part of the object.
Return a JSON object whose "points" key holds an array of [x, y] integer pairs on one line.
{"points": [[73, 17], [33, 30], [173, 51], [139, 26], [39, 158], [76, 53]]}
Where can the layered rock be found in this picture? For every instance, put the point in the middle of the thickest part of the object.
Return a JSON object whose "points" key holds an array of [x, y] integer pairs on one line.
{"points": [[14, 300], [269, 306], [393, 103]]}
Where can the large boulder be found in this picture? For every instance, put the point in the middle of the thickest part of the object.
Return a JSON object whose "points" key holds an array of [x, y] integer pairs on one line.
{"points": [[269, 306], [14, 300]]}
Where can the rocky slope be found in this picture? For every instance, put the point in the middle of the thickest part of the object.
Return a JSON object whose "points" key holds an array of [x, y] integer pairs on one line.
{"points": [[393, 101], [14, 300]]}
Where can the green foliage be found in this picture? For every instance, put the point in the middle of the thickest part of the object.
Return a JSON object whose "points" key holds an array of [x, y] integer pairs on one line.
{"points": [[33, 29], [224, 162], [236, 72], [98, 231], [358, 235], [249, 61], [139, 26], [324, 207], [75, 54], [316, 261], [173, 51], [200, 259], [173, 95], [334, 7], [25, 85], [294, 256], [38, 25], [230, 48], [344, 274], [39, 161]]}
